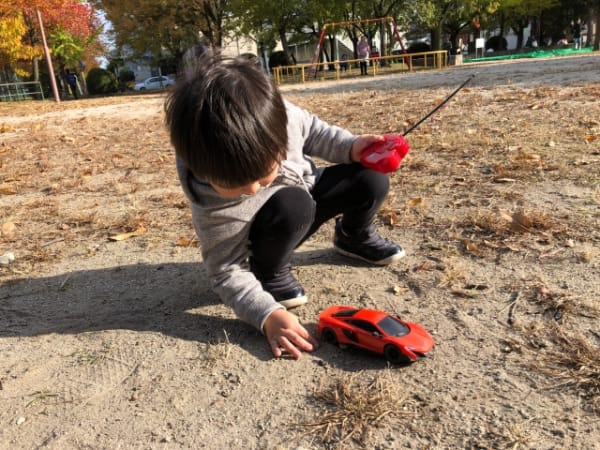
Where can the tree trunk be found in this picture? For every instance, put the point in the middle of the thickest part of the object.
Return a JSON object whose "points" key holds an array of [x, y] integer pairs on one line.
{"points": [[285, 46], [597, 30], [382, 49], [35, 66], [436, 37], [332, 52]]}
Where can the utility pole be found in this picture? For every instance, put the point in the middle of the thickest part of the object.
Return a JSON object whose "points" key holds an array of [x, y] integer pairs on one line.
{"points": [[48, 59]]}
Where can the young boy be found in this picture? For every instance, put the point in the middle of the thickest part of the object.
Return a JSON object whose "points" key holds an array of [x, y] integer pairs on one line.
{"points": [[244, 158]]}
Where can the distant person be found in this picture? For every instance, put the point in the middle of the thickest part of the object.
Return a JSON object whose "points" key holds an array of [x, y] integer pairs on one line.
{"points": [[531, 42], [576, 30], [363, 54], [72, 82], [344, 63], [460, 46]]}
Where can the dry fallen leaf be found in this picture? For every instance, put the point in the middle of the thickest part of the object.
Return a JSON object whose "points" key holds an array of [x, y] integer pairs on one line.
{"points": [[393, 218], [417, 201], [589, 138], [7, 189], [523, 156], [464, 294], [472, 247], [141, 229], [185, 242], [8, 229], [521, 222]]}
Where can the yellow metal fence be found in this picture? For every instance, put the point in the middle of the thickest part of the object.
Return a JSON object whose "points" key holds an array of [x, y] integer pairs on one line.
{"points": [[381, 65]]}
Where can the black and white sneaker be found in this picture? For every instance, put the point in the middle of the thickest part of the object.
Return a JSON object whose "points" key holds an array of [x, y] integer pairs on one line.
{"points": [[284, 288], [367, 246]]}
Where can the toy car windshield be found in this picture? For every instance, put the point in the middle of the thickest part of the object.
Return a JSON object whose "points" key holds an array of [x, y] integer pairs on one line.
{"points": [[345, 313], [393, 327]]}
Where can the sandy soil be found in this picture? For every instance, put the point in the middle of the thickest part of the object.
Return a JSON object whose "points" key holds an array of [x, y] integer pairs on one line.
{"points": [[110, 337]]}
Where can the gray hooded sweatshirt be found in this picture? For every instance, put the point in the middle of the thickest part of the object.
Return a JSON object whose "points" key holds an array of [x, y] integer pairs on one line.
{"points": [[223, 224]]}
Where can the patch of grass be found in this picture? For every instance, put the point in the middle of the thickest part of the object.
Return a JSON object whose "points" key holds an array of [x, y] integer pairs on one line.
{"points": [[573, 364], [559, 305], [43, 397], [85, 357], [454, 273], [487, 222], [518, 225], [567, 358], [517, 435], [587, 253], [352, 406], [217, 352]]}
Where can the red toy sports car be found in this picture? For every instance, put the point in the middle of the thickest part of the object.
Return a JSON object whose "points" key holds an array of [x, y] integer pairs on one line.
{"points": [[399, 341]]}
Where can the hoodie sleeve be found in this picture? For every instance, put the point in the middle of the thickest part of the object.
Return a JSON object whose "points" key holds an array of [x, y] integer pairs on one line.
{"points": [[222, 228], [318, 138]]}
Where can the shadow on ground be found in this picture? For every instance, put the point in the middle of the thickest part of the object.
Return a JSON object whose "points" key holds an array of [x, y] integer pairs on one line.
{"points": [[163, 298]]}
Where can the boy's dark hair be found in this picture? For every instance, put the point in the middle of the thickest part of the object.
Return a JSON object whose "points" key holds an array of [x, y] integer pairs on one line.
{"points": [[227, 120]]}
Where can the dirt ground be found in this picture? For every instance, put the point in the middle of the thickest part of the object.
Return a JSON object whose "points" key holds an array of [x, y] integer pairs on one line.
{"points": [[110, 337]]}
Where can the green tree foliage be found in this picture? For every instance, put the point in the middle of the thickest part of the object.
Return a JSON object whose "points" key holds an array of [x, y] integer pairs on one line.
{"points": [[454, 16], [271, 20], [168, 27], [517, 14], [164, 28]]}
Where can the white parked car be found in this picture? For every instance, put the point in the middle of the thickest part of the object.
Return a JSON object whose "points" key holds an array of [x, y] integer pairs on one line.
{"points": [[154, 83]]}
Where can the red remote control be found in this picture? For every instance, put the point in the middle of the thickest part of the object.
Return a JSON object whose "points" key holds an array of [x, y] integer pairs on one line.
{"points": [[385, 156]]}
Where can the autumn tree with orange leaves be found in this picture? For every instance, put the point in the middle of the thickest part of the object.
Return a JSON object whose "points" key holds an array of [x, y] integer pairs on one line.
{"points": [[71, 28]]}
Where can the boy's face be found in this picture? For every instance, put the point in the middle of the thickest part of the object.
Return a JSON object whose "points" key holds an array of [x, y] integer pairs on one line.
{"points": [[248, 189]]}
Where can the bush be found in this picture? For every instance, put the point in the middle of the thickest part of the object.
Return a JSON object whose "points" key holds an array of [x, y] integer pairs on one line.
{"points": [[100, 81], [496, 43], [126, 75], [126, 80]]}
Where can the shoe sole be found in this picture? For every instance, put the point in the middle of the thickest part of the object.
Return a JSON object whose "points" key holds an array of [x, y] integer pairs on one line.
{"points": [[382, 262], [294, 302]]}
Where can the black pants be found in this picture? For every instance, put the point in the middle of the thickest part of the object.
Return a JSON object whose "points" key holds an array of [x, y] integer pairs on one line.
{"points": [[73, 88], [292, 215], [363, 67]]}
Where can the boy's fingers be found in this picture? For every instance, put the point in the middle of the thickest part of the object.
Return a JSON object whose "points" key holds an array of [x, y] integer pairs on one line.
{"points": [[307, 337], [289, 347], [275, 348], [293, 346]]}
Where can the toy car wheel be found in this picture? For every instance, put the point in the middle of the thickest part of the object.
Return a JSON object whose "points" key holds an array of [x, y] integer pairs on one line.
{"points": [[394, 355], [329, 336]]}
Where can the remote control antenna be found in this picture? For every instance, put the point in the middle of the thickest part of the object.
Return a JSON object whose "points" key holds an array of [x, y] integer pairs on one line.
{"points": [[440, 105]]}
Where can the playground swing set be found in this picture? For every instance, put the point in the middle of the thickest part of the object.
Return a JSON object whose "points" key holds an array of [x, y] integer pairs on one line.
{"points": [[386, 20]]}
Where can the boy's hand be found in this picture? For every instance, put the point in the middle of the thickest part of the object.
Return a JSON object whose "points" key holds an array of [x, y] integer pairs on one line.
{"points": [[361, 143], [284, 333]]}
